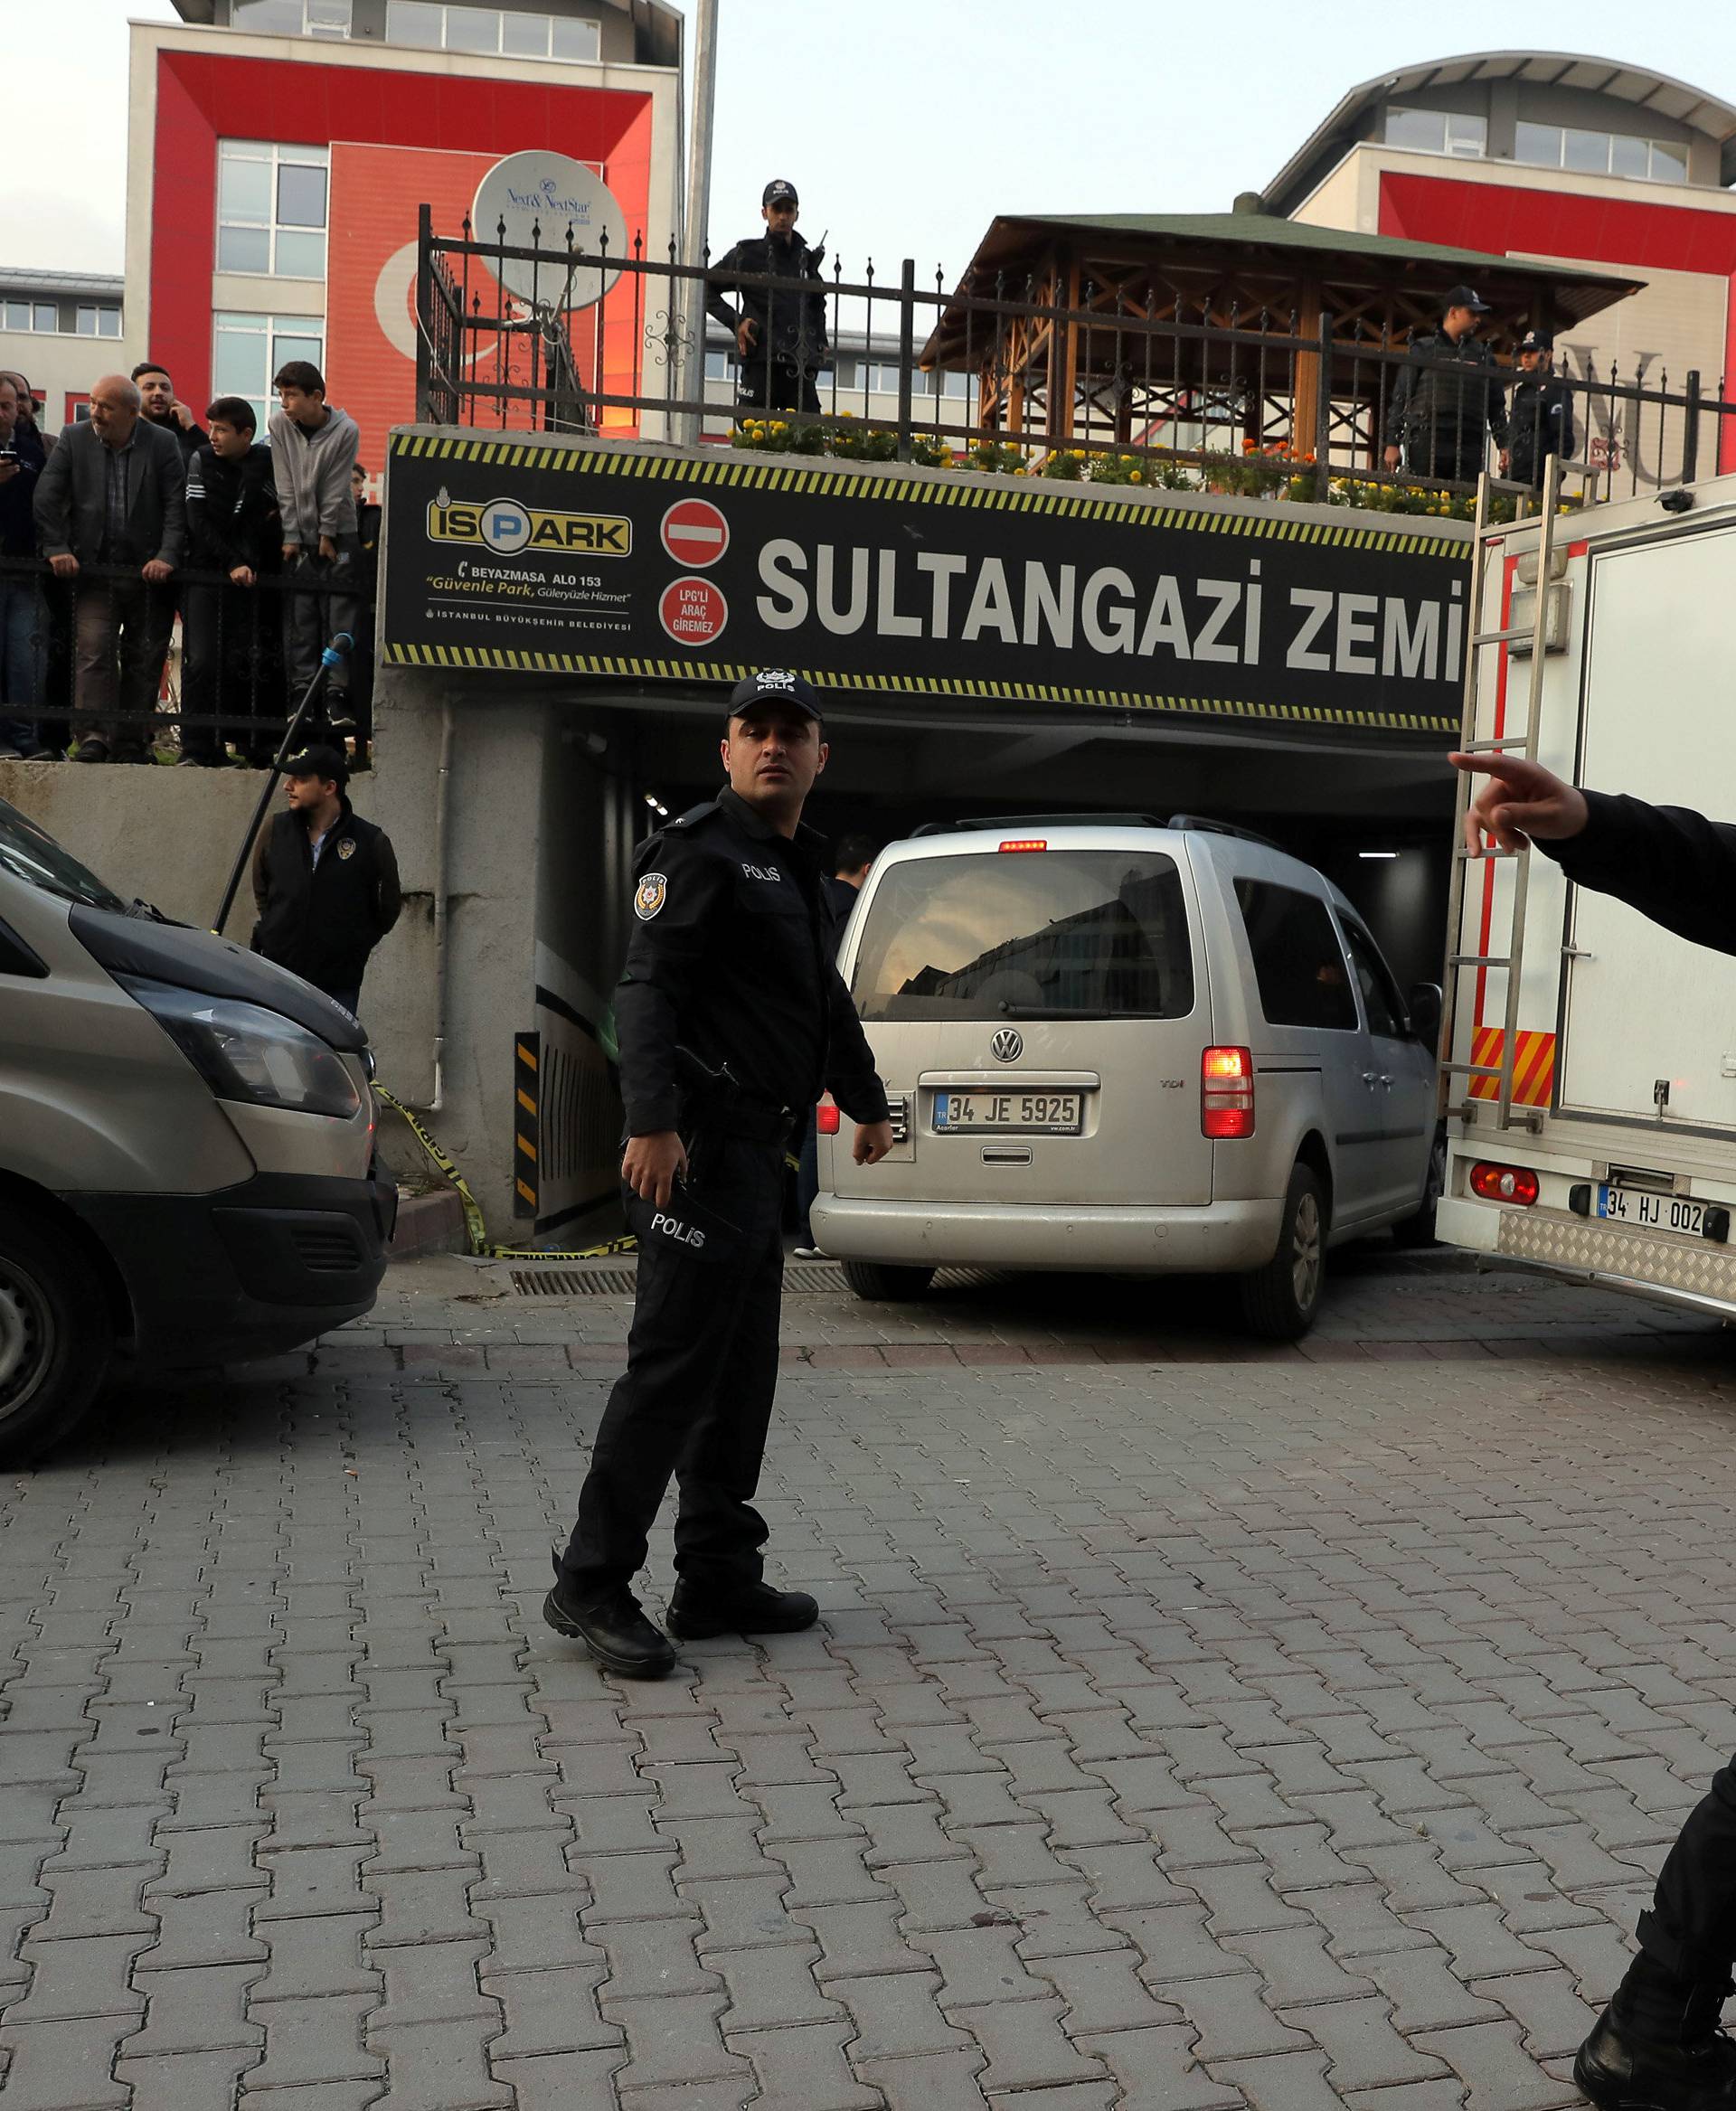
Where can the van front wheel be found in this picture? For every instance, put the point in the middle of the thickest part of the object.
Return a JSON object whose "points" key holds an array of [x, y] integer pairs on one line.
{"points": [[1278, 1302], [882, 1283], [55, 1335]]}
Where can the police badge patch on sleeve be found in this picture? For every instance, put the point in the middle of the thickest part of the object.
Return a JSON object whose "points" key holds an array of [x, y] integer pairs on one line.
{"points": [[650, 896]]}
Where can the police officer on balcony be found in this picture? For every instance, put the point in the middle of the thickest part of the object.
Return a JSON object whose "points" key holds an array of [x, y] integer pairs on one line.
{"points": [[731, 1020], [1540, 418], [1445, 395], [779, 335]]}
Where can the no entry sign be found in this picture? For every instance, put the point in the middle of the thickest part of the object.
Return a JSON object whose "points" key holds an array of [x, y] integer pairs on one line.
{"points": [[694, 532]]}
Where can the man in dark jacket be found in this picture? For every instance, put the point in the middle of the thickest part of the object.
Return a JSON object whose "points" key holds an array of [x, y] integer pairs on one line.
{"points": [[22, 614], [1658, 2044], [325, 880], [731, 1020], [164, 409], [112, 510], [233, 662], [779, 335], [1540, 417], [1446, 396]]}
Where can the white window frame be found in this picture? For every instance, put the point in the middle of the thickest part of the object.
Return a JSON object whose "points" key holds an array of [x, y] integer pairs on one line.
{"points": [[1676, 150], [445, 12], [275, 156], [271, 327], [308, 27], [1471, 145]]}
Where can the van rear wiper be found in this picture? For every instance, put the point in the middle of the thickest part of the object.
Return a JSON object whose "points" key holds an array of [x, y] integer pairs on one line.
{"points": [[1072, 1012]]}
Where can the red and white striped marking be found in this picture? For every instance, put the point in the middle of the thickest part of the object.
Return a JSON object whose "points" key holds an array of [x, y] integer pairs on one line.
{"points": [[694, 532]]}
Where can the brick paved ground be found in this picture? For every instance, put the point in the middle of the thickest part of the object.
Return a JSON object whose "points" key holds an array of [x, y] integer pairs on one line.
{"points": [[1188, 1727]]}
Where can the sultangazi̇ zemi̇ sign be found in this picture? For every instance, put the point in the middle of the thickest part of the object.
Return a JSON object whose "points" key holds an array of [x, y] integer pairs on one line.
{"points": [[591, 560]]}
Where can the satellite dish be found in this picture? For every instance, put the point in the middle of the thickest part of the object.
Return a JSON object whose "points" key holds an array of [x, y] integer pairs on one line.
{"points": [[539, 196]]}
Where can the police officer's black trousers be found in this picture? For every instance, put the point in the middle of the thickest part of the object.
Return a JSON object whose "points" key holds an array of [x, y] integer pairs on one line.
{"points": [[1691, 1929], [695, 1400], [777, 384], [1454, 457]]}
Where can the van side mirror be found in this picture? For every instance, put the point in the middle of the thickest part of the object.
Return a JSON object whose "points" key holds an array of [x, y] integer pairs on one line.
{"points": [[1426, 1000]]}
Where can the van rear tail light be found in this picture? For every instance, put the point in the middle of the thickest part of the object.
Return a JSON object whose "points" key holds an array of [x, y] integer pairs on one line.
{"points": [[1227, 1092], [1505, 1183], [826, 1117], [1025, 843]]}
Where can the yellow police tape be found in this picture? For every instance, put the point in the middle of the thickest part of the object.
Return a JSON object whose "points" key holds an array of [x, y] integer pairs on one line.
{"points": [[477, 1229]]}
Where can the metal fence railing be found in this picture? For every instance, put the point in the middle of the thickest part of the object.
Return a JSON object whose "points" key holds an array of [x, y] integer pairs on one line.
{"points": [[1126, 384], [191, 669]]}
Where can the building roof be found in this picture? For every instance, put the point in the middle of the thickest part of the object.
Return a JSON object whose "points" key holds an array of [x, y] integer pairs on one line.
{"points": [[657, 23], [95, 285], [1271, 265], [1328, 143]]}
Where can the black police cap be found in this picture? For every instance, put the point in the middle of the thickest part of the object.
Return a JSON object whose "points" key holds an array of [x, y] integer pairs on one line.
{"points": [[320, 761], [774, 685], [1466, 296], [780, 191], [1537, 341]]}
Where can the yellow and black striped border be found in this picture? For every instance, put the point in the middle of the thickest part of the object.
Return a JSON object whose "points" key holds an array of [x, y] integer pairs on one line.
{"points": [[527, 1065], [741, 472], [490, 658]]}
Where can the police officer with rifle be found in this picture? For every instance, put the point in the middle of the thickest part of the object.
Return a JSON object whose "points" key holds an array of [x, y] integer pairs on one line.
{"points": [[1445, 394], [779, 335], [731, 1019]]}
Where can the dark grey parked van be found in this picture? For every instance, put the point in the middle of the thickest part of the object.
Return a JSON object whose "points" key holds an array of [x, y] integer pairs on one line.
{"points": [[186, 1146]]}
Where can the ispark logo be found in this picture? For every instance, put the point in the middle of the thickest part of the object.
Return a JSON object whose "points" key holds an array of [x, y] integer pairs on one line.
{"points": [[510, 529]]}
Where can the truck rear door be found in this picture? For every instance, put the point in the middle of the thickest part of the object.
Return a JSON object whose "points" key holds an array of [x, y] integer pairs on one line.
{"points": [[1649, 1020]]}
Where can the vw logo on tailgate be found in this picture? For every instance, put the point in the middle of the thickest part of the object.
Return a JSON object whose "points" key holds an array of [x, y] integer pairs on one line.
{"points": [[1008, 1045]]}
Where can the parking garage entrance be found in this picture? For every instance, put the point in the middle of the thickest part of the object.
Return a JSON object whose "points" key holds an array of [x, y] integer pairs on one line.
{"points": [[983, 647]]}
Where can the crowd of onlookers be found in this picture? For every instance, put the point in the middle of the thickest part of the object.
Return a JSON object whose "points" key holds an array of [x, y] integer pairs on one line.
{"points": [[139, 517]]}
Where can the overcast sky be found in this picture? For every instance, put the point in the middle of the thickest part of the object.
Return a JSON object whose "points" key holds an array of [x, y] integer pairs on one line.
{"points": [[907, 124]]}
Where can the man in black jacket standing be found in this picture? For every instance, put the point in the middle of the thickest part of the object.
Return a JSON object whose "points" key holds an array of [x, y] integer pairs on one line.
{"points": [[233, 659], [326, 881], [731, 1019], [1444, 398], [161, 407], [779, 335], [1657, 2046]]}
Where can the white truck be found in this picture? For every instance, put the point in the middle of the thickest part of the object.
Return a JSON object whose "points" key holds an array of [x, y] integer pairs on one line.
{"points": [[1590, 1056]]}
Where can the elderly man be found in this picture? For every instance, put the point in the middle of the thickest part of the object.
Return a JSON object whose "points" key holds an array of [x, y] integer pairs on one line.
{"points": [[112, 510]]}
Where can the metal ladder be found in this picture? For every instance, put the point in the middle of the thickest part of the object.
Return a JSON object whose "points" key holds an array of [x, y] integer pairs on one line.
{"points": [[1511, 960]]}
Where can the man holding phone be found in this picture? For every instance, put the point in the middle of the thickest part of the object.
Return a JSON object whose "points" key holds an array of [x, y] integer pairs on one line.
{"points": [[1658, 2046], [732, 1021], [779, 334]]}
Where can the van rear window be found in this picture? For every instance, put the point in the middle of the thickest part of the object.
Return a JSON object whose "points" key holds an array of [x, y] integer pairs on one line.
{"points": [[1079, 933]]}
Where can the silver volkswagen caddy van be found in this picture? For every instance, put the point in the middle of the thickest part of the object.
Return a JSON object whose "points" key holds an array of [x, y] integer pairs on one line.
{"points": [[186, 1146], [1127, 1046]]}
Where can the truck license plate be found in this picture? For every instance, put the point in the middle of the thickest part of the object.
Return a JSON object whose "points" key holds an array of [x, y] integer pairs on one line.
{"points": [[1653, 1213], [1039, 1114]]}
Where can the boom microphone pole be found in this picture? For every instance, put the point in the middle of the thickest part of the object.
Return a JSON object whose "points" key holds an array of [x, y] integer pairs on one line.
{"points": [[332, 657]]}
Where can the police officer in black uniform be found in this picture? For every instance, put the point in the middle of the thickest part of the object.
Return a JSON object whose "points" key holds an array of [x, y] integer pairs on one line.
{"points": [[779, 335], [1443, 400], [1540, 417], [1657, 2046], [730, 1018]]}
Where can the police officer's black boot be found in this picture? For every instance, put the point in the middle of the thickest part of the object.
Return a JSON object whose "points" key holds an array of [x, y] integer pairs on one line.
{"points": [[698, 1610], [1657, 2046], [613, 1628]]}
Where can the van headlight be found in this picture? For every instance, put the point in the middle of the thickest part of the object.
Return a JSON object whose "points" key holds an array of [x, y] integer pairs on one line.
{"points": [[245, 1052]]}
